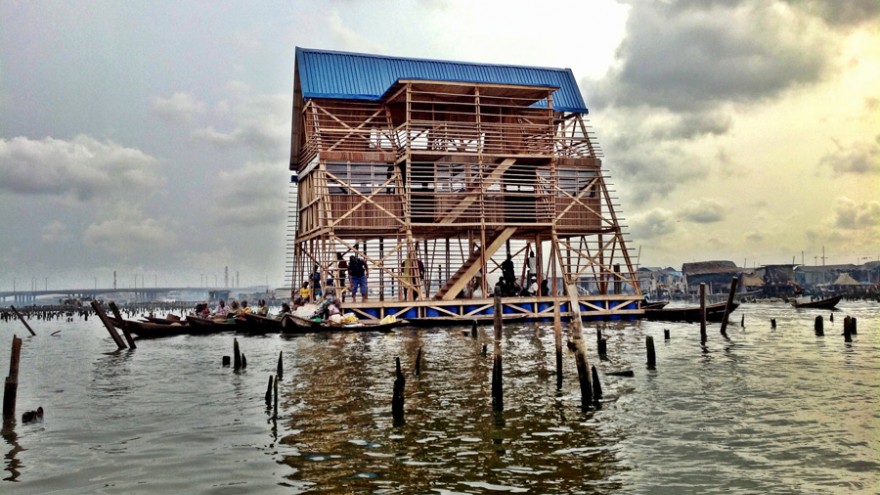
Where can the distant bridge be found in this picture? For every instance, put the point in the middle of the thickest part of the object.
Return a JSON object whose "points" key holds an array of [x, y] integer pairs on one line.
{"points": [[24, 297]]}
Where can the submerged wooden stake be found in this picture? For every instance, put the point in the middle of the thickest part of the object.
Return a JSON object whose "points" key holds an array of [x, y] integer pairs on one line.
{"points": [[665, 334], [600, 343], [772, 322], [847, 329], [729, 305], [557, 335], [418, 362], [580, 355], [474, 329], [226, 361], [702, 313], [497, 368], [597, 387], [269, 391], [23, 321], [108, 324], [652, 358], [275, 400], [852, 325], [280, 369], [236, 355], [10, 389], [122, 325], [819, 325], [397, 397]]}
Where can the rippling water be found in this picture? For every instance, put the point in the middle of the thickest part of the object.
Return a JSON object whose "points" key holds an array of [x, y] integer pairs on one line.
{"points": [[767, 411]]}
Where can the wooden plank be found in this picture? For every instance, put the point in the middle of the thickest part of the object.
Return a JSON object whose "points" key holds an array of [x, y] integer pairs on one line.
{"points": [[469, 273], [468, 200]]}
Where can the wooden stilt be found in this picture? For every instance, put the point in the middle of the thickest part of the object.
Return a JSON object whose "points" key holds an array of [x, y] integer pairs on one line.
{"points": [[243, 361], [852, 326], [418, 362], [729, 305], [665, 334], [819, 326], [597, 387], [106, 321], [397, 397], [580, 355], [23, 321], [772, 322], [831, 317], [702, 313], [497, 368], [10, 389], [122, 325], [236, 355], [601, 345], [269, 392], [557, 334], [474, 329], [279, 372], [226, 361], [275, 400], [652, 358], [847, 329]]}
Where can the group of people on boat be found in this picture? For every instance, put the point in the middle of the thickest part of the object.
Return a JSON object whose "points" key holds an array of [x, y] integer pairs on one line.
{"points": [[234, 310]]}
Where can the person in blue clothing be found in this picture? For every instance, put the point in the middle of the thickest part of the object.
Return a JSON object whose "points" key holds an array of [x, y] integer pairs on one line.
{"points": [[357, 270], [316, 281]]}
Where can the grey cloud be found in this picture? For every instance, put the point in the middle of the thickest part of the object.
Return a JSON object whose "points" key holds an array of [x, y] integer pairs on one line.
{"points": [[755, 236], [652, 224], [55, 232], [692, 56], [129, 234], [857, 158], [705, 210], [251, 196], [851, 215], [841, 13], [259, 123], [82, 168], [179, 107]]}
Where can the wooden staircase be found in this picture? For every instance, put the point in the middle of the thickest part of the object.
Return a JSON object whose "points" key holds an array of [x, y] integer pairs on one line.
{"points": [[472, 265], [471, 195]]}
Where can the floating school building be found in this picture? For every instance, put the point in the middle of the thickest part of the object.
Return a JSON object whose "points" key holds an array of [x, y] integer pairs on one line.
{"points": [[434, 172]]}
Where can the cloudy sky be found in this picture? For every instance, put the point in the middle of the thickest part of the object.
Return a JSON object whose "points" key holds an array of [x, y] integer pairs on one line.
{"points": [[152, 138]]}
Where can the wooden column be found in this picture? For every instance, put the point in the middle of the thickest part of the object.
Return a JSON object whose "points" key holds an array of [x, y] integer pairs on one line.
{"points": [[497, 368], [703, 313], [730, 296], [108, 324]]}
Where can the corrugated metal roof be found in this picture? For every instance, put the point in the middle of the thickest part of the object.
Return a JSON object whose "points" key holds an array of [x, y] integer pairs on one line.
{"points": [[329, 74]]}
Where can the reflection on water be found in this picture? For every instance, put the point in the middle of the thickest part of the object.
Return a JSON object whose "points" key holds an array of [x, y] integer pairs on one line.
{"points": [[766, 410]]}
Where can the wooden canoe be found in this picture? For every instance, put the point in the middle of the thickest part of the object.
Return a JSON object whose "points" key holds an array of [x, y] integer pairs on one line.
{"points": [[152, 330], [205, 326], [714, 313], [827, 303], [258, 324]]}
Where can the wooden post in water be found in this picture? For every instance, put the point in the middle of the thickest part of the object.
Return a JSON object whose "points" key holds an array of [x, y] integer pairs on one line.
{"points": [[727, 309], [269, 392], [597, 387], [474, 329], [236, 355], [275, 400], [652, 358], [831, 317], [702, 312], [852, 326], [497, 368], [665, 334], [226, 361], [772, 322], [847, 329], [580, 355], [601, 345], [397, 397], [280, 371], [21, 318], [419, 362], [742, 321], [122, 325], [106, 321], [10, 388], [819, 325], [557, 334]]}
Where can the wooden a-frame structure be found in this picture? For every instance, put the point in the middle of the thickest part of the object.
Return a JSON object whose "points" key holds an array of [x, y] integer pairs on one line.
{"points": [[452, 177]]}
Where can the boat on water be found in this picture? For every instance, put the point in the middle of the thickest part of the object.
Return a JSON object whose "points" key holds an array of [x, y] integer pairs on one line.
{"points": [[152, 330], [257, 324], [714, 313], [827, 303], [293, 324], [654, 304], [205, 326]]}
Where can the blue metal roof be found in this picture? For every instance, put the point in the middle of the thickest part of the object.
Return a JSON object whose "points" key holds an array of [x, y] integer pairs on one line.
{"points": [[358, 76]]}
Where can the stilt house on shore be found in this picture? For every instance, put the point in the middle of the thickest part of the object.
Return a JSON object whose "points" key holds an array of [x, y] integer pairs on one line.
{"points": [[434, 172]]}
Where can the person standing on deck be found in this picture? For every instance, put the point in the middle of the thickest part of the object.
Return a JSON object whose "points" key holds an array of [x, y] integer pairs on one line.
{"points": [[357, 268], [508, 276], [316, 281], [342, 274]]}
